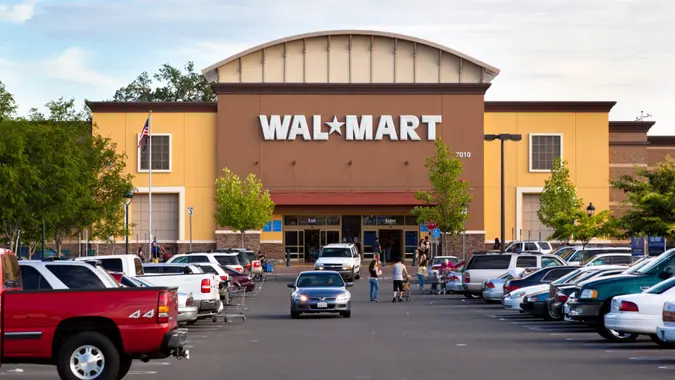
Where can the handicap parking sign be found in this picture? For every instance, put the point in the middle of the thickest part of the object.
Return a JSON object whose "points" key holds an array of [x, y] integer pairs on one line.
{"points": [[437, 233]]}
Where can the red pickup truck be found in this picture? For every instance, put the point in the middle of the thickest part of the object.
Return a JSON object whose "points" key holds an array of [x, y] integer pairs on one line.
{"points": [[87, 334]]}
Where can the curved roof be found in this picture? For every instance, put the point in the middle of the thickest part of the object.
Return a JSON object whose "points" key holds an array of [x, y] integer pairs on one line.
{"points": [[490, 69]]}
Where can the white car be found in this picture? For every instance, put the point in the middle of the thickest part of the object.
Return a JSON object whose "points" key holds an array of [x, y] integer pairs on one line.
{"points": [[343, 258], [666, 332], [634, 314], [513, 300], [229, 260]]}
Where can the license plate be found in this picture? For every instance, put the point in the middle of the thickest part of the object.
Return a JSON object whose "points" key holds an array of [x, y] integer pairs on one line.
{"points": [[322, 305]]}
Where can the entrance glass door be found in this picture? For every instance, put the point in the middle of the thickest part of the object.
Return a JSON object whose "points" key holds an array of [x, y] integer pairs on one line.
{"points": [[329, 237]]}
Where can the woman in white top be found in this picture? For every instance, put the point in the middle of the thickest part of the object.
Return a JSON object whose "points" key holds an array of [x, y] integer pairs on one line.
{"points": [[399, 272]]}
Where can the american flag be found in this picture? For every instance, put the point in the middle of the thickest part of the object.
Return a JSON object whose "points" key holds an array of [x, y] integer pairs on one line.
{"points": [[144, 132]]}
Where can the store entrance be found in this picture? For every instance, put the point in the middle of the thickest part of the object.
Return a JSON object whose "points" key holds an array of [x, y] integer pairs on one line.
{"points": [[392, 244], [312, 245]]}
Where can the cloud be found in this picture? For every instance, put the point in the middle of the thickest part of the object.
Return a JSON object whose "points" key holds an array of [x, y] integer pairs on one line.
{"points": [[206, 53], [17, 12], [71, 65]]}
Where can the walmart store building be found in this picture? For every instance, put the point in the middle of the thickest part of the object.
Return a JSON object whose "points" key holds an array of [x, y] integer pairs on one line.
{"points": [[338, 126]]}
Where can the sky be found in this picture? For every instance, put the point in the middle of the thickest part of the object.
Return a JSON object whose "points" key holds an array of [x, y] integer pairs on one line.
{"points": [[618, 50]]}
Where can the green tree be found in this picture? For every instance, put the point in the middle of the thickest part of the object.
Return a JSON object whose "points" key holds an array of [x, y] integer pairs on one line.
{"points": [[20, 178], [584, 227], [61, 110], [242, 205], [172, 85], [559, 201], [446, 201], [8, 106], [651, 198]]}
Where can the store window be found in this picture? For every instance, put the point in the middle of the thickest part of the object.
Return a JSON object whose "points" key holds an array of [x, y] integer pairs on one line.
{"points": [[411, 220], [411, 242], [333, 220], [544, 150], [291, 220], [161, 153]]}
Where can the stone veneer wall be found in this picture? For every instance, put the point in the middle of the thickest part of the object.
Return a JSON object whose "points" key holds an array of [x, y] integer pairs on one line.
{"points": [[233, 240]]}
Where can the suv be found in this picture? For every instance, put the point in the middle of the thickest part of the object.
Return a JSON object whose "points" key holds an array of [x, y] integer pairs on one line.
{"points": [[229, 260], [579, 255], [529, 246], [342, 258], [488, 265]]}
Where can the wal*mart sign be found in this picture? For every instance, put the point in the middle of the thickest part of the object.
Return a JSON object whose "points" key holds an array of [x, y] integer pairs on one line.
{"points": [[363, 128]]}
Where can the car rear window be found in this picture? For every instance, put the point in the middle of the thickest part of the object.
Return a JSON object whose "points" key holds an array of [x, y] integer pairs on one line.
{"points": [[76, 276], [545, 245], [113, 265], [227, 260], [526, 262], [208, 269], [489, 262], [243, 259], [32, 279]]}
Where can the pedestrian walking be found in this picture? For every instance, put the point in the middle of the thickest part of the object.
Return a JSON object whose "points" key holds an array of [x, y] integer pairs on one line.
{"points": [[497, 244], [387, 250], [140, 254], [375, 273], [155, 248], [399, 273], [377, 250], [421, 270]]}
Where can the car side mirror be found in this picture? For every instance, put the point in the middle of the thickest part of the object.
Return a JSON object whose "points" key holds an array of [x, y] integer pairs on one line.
{"points": [[291, 285], [664, 275], [349, 284]]}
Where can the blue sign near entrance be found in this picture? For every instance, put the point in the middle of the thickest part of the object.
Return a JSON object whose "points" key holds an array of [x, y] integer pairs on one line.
{"points": [[637, 245], [656, 245], [437, 233]]}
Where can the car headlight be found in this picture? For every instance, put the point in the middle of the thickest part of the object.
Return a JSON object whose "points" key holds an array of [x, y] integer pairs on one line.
{"points": [[589, 293], [318, 267], [301, 297], [344, 297], [346, 267]]}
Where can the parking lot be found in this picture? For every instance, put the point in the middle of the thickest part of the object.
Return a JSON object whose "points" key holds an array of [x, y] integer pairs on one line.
{"points": [[431, 337]]}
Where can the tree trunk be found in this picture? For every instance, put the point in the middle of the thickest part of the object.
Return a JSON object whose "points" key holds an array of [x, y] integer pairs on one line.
{"points": [[242, 239]]}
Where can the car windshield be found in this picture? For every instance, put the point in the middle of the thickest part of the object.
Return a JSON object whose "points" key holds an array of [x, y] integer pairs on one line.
{"points": [[566, 277], [335, 252], [565, 252], [661, 286], [663, 263], [320, 280], [636, 267], [227, 259]]}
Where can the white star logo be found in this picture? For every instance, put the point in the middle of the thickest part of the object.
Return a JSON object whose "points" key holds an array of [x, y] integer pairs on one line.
{"points": [[335, 126]]}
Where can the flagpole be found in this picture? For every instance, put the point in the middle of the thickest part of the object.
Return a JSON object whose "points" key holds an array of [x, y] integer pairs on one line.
{"points": [[150, 185]]}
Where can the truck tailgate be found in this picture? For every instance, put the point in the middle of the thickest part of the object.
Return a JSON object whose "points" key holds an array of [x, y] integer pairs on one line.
{"points": [[189, 283], [32, 317]]}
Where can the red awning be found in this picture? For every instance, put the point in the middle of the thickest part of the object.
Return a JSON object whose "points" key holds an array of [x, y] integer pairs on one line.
{"points": [[345, 199]]}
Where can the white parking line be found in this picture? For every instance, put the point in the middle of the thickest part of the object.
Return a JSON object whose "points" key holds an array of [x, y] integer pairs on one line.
{"points": [[567, 333], [652, 359]]}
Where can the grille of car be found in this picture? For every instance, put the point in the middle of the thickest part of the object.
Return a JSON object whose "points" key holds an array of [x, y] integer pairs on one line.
{"points": [[323, 299], [333, 266]]}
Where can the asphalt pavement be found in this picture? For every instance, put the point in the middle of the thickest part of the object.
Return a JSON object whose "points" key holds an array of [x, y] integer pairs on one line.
{"points": [[432, 337]]}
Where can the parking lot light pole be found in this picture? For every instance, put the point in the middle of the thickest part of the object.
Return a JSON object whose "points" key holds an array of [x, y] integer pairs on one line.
{"points": [[128, 197], [502, 137]]}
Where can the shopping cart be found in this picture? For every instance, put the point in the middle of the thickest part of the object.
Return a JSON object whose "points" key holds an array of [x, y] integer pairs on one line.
{"points": [[234, 306]]}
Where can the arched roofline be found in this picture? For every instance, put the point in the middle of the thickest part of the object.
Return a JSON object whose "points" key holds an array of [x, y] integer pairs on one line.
{"points": [[493, 71]]}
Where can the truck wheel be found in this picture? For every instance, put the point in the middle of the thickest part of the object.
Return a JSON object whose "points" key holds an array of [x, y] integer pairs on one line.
{"points": [[125, 366], [88, 355], [551, 314]]}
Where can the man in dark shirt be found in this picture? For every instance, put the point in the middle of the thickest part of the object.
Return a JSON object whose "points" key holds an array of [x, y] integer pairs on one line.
{"points": [[377, 249]]}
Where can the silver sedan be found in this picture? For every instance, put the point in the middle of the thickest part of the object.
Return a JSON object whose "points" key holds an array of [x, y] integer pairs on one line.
{"points": [[320, 292]]}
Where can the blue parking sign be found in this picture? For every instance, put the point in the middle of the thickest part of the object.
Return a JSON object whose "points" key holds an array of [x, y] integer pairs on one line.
{"points": [[437, 233]]}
